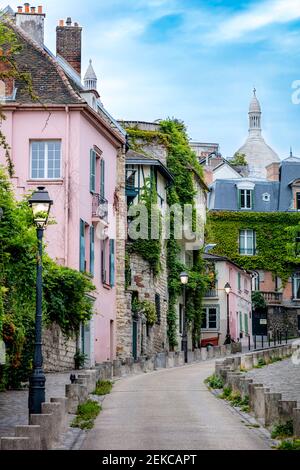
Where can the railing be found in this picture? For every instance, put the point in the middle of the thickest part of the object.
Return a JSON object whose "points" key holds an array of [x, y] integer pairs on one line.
{"points": [[272, 297], [211, 293], [100, 207]]}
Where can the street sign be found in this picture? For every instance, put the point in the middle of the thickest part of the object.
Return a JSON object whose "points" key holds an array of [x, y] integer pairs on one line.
{"points": [[263, 321], [2, 352]]}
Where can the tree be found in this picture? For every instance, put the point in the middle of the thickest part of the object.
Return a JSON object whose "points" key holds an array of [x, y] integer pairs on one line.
{"points": [[239, 159]]}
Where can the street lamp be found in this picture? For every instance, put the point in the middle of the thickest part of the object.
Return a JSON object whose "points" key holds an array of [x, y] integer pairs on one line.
{"points": [[184, 279], [227, 289], [40, 203]]}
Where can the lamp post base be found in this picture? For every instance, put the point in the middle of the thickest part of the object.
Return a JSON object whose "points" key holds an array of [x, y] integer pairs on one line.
{"points": [[36, 391], [184, 347]]}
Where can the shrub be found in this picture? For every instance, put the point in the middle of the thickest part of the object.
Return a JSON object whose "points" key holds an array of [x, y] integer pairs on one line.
{"points": [[103, 387], [214, 382], [283, 430], [86, 414], [288, 444]]}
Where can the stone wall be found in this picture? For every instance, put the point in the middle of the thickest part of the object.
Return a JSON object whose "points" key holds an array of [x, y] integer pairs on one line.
{"points": [[123, 317], [153, 339], [58, 351], [280, 318]]}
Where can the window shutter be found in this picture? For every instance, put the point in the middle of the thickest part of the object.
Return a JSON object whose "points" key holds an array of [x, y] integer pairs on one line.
{"points": [[111, 263], [92, 249], [92, 171], [239, 199], [241, 322], [102, 178], [82, 247], [246, 323], [252, 199], [254, 242]]}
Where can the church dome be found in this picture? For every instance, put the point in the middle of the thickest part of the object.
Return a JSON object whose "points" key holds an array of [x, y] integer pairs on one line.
{"points": [[258, 153]]}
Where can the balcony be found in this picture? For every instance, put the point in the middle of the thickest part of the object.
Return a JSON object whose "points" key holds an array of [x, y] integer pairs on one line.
{"points": [[100, 207], [211, 293], [272, 297]]}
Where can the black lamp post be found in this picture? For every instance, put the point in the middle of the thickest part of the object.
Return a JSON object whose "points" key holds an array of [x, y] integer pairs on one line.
{"points": [[227, 289], [184, 279], [40, 203]]}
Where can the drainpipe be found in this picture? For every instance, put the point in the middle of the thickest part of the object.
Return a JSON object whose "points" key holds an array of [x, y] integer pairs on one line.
{"points": [[66, 175]]}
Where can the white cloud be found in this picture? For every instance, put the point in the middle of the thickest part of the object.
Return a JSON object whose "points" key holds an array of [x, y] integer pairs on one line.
{"points": [[258, 16]]}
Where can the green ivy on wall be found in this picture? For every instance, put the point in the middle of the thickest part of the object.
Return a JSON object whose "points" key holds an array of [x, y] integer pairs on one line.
{"points": [[275, 233], [66, 298]]}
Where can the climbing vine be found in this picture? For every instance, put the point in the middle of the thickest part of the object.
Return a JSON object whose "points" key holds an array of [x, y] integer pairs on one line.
{"points": [[183, 164], [66, 298], [275, 236]]}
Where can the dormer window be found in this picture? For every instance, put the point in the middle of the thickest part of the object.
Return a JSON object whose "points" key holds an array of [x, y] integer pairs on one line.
{"points": [[246, 199]]}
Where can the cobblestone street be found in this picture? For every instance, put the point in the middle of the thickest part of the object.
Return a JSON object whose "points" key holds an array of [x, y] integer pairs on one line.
{"points": [[283, 377], [14, 403]]}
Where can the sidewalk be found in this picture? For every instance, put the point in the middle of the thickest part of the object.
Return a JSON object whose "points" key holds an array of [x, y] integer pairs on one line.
{"points": [[14, 403]]}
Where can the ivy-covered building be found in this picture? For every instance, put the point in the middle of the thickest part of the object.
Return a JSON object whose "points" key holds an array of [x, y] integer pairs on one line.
{"points": [[255, 223], [162, 170]]}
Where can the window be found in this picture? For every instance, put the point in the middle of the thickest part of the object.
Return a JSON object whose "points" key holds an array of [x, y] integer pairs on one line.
{"points": [[245, 198], [296, 286], [92, 250], [210, 318], [157, 308], [239, 281], [298, 201], [92, 171], [111, 263], [45, 159], [82, 247], [247, 242]]}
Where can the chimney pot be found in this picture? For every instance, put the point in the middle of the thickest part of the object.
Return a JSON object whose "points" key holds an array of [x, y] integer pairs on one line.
{"points": [[32, 9], [69, 21], [40, 9], [76, 24], [20, 9], [26, 5], [61, 23]]}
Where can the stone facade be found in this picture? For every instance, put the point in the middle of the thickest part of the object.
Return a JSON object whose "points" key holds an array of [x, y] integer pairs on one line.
{"points": [[282, 318], [58, 351], [150, 340]]}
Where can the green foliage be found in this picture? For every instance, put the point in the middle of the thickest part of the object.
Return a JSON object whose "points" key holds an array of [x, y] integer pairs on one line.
{"points": [[226, 393], [103, 387], [239, 159], [184, 166], [260, 363], [149, 249], [147, 308], [289, 444], [86, 414], [258, 300], [273, 236], [283, 430], [65, 290], [138, 138], [79, 359], [214, 382]]}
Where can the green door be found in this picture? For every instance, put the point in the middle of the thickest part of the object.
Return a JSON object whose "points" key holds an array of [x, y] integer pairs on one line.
{"points": [[134, 338]]}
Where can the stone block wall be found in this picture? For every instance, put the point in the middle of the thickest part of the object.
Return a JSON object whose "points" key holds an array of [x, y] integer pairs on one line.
{"points": [[280, 317], [58, 351]]}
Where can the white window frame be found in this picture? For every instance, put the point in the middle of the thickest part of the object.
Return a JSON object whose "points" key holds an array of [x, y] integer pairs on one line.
{"points": [[254, 250], [46, 169], [295, 277], [217, 308], [245, 207]]}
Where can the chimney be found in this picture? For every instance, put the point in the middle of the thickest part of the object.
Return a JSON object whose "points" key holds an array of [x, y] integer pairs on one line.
{"points": [[273, 171], [31, 22], [68, 43], [208, 175]]}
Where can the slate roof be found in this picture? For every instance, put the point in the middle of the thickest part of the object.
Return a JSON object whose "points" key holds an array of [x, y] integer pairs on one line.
{"points": [[216, 258], [137, 158]]}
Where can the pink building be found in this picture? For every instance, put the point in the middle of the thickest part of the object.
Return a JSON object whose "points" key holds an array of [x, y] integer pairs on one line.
{"points": [[214, 323], [67, 142]]}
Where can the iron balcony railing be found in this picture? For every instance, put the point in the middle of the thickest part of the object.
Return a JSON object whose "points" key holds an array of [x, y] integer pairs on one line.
{"points": [[211, 293], [100, 207]]}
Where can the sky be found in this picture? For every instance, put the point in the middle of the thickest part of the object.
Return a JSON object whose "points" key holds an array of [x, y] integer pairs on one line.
{"points": [[196, 60]]}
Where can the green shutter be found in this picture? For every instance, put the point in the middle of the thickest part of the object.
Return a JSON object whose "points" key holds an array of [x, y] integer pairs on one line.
{"points": [[241, 321], [82, 247], [111, 263], [92, 171], [252, 199], [246, 323], [102, 178], [92, 250], [254, 242], [239, 281]]}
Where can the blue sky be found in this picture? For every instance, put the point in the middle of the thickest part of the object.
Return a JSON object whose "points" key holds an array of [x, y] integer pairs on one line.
{"points": [[197, 60]]}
